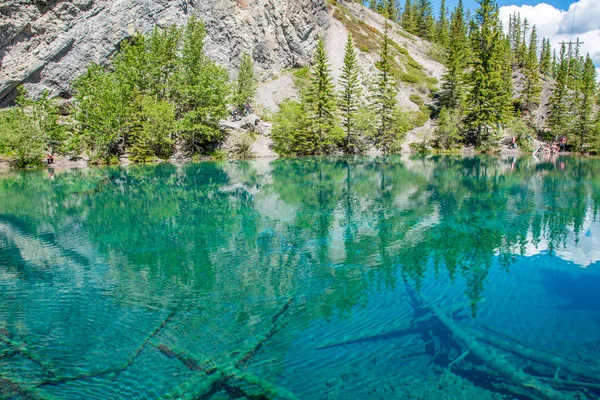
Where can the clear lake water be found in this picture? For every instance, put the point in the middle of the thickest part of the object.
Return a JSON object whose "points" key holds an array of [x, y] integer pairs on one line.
{"points": [[311, 278]]}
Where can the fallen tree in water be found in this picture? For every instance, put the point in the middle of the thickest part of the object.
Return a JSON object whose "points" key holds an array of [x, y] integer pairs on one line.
{"points": [[550, 360], [487, 355], [210, 378]]}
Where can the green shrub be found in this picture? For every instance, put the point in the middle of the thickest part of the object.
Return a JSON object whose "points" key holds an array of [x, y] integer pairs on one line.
{"points": [[448, 134], [218, 155], [289, 130], [404, 77], [523, 132], [158, 85], [418, 100], [242, 146], [419, 147], [31, 129]]}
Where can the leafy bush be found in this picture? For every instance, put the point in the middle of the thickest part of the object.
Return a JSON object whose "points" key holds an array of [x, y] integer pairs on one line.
{"points": [[418, 100], [289, 130], [523, 132], [218, 155], [158, 85], [30, 129], [448, 133], [242, 146], [404, 77]]}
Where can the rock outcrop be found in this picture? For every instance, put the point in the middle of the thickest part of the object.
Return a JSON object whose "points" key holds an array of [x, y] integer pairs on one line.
{"points": [[45, 44]]}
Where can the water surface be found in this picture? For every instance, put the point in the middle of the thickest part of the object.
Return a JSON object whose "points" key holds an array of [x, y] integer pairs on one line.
{"points": [[306, 278]]}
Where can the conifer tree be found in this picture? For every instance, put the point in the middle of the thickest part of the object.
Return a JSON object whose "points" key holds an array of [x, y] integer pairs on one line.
{"points": [[506, 73], [424, 19], [521, 52], [320, 100], [442, 26], [488, 97], [349, 95], [246, 85], [385, 98], [533, 89], [453, 85], [546, 58], [516, 37], [554, 64], [390, 10], [559, 116], [408, 18], [586, 104]]}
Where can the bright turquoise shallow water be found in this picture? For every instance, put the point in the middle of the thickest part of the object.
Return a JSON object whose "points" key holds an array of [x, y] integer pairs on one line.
{"points": [[313, 278]]}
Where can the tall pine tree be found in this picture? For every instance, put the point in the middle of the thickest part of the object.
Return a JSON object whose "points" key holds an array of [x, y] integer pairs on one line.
{"points": [[408, 18], [560, 101], [533, 88], [546, 58], [349, 96], [585, 107], [453, 82], [488, 97], [320, 100], [385, 98], [442, 30], [425, 23]]}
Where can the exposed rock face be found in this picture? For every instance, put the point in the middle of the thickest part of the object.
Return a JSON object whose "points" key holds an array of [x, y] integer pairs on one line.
{"points": [[48, 43]]}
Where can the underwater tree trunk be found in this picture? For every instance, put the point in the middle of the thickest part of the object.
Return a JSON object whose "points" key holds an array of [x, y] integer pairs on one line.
{"points": [[488, 356]]}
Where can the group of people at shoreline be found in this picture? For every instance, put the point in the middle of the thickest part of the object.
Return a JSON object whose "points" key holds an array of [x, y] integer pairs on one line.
{"points": [[553, 147]]}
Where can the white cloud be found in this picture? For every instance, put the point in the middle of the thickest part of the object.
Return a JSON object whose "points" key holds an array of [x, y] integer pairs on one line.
{"points": [[582, 16]]}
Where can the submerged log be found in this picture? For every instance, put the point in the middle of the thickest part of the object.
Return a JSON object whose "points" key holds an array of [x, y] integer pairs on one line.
{"points": [[393, 333], [19, 348], [208, 379], [488, 356], [242, 362], [112, 370], [541, 357]]}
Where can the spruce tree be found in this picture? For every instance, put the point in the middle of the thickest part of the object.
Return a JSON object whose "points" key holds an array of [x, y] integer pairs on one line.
{"points": [[349, 96], [442, 34], [390, 10], [453, 85], [521, 54], [506, 74], [246, 85], [385, 98], [533, 89], [320, 101], [560, 101], [546, 58], [516, 37], [408, 18], [585, 107], [425, 23], [488, 97]]}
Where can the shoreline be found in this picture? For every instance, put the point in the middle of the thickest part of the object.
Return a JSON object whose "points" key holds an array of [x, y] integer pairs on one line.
{"points": [[64, 164]]}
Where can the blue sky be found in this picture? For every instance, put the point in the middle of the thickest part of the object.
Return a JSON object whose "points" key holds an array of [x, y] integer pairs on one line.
{"points": [[558, 20], [560, 4]]}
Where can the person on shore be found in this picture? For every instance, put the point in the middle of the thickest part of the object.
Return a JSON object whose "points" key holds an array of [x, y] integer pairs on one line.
{"points": [[49, 158], [514, 142], [563, 144]]}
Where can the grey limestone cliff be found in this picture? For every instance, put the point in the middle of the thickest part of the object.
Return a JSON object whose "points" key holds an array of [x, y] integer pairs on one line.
{"points": [[45, 44]]}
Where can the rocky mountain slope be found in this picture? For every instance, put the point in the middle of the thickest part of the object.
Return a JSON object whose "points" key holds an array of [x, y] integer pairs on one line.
{"points": [[45, 44]]}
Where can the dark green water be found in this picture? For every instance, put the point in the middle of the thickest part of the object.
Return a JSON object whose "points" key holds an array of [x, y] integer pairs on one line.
{"points": [[313, 278]]}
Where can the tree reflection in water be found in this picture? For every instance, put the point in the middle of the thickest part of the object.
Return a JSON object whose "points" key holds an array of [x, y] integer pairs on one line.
{"points": [[216, 258]]}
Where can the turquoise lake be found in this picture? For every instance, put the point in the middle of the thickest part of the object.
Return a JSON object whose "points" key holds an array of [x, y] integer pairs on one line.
{"points": [[316, 278]]}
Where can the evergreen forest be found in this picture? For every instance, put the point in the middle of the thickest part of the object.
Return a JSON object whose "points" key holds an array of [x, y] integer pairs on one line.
{"points": [[161, 95]]}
